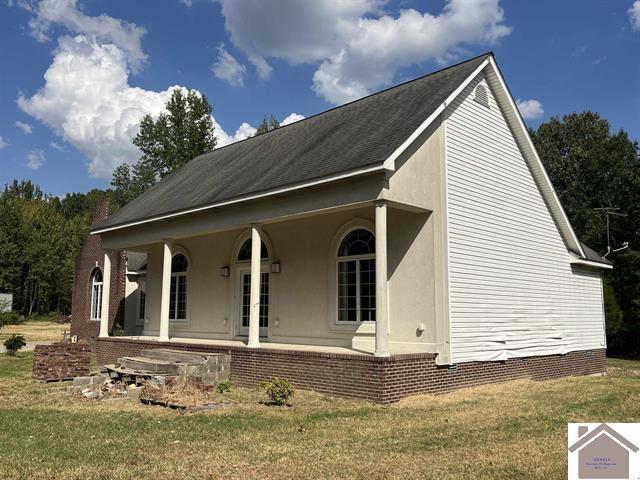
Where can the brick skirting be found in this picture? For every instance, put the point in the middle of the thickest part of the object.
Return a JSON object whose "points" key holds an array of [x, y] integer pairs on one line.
{"points": [[382, 380], [61, 361]]}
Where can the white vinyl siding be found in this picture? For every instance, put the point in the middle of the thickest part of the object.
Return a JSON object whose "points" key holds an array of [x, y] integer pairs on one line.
{"points": [[512, 290]]}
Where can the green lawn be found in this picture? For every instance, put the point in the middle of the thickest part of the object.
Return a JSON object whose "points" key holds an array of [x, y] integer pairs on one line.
{"points": [[513, 430]]}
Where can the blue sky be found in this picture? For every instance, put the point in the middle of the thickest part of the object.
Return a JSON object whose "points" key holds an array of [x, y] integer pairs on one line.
{"points": [[78, 75]]}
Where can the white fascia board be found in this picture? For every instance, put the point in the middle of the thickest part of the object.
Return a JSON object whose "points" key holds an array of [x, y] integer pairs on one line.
{"points": [[574, 260], [532, 153], [246, 198], [390, 162]]}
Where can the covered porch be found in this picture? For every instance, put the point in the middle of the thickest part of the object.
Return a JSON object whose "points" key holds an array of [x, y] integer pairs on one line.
{"points": [[318, 282]]}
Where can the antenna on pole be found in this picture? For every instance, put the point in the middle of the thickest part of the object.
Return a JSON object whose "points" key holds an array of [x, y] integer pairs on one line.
{"points": [[609, 212]]}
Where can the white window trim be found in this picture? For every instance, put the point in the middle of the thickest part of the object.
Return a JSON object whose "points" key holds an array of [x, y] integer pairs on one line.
{"points": [[187, 283], [100, 286], [345, 259], [338, 260], [246, 235], [243, 270]]}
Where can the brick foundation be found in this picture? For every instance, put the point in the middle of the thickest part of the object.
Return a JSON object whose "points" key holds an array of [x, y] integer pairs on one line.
{"points": [[382, 380], [61, 361]]}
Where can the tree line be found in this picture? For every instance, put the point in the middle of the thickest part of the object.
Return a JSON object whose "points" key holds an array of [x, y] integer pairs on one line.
{"points": [[590, 166], [40, 237]]}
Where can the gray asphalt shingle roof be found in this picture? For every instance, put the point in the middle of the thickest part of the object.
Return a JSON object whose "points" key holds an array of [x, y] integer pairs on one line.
{"points": [[136, 262], [354, 136], [594, 256]]}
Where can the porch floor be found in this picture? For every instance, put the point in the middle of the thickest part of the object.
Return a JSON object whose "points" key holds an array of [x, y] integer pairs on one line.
{"points": [[263, 344]]}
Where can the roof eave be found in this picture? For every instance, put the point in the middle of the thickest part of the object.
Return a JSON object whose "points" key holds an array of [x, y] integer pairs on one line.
{"points": [[565, 227], [299, 186], [575, 260], [389, 163]]}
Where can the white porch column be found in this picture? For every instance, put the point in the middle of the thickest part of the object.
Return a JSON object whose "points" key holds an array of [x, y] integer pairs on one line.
{"points": [[166, 290], [382, 309], [254, 313], [106, 293]]}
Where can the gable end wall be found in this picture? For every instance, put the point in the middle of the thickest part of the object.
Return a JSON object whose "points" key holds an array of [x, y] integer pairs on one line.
{"points": [[512, 290]]}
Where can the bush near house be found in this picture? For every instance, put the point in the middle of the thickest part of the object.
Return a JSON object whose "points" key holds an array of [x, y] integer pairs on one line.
{"points": [[278, 390], [224, 386], [14, 343]]}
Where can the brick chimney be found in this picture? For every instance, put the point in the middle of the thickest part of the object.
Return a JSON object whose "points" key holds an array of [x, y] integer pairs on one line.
{"points": [[100, 212]]}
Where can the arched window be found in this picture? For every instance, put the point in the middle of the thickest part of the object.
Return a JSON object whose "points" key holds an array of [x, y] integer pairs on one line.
{"points": [[357, 277], [96, 294], [178, 293], [244, 254]]}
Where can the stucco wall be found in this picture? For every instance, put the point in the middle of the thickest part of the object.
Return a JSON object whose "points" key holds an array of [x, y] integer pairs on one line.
{"points": [[131, 305], [302, 295]]}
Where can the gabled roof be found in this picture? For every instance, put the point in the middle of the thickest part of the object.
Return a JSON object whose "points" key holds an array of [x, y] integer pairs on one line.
{"points": [[360, 137], [601, 429], [353, 138]]}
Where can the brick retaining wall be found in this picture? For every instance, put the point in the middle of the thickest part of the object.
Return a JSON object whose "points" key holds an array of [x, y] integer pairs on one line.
{"points": [[382, 380], [61, 361]]}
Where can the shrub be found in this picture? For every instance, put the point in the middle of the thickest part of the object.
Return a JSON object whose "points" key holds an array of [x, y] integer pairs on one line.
{"points": [[224, 386], [117, 330], [278, 390], [11, 318], [14, 343]]}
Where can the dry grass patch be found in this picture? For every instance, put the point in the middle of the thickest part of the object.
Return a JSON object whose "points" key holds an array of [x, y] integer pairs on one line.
{"points": [[36, 331], [513, 430]]}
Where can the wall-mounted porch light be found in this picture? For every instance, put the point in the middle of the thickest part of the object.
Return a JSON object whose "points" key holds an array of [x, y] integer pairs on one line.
{"points": [[224, 271], [275, 267]]}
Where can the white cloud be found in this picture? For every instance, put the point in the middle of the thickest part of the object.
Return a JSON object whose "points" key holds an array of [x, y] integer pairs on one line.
{"points": [[244, 131], [530, 109], [359, 49], [87, 100], [35, 159], [188, 3], [292, 30], [634, 15], [4, 143], [102, 28], [57, 146], [292, 117], [26, 128], [227, 68]]}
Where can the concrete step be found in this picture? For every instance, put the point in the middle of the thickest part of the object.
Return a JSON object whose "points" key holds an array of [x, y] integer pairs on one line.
{"points": [[177, 356], [151, 365]]}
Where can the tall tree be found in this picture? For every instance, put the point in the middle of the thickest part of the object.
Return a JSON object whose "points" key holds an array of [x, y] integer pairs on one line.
{"points": [[40, 236], [267, 125], [591, 168], [166, 143]]}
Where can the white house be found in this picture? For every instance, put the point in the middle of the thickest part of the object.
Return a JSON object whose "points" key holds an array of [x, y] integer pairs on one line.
{"points": [[414, 225]]}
